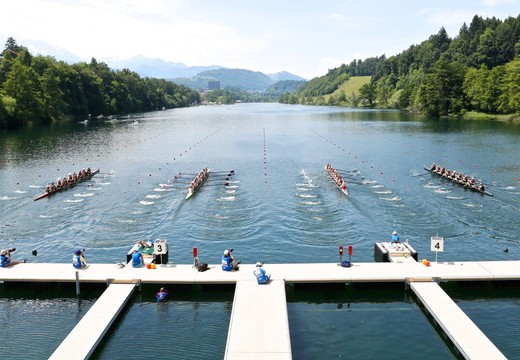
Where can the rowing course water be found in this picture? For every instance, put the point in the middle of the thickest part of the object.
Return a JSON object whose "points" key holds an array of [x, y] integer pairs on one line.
{"points": [[279, 205]]}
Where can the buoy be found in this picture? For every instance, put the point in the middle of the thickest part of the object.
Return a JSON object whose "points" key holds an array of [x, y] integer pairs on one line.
{"points": [[149, 266], [154, 266]]}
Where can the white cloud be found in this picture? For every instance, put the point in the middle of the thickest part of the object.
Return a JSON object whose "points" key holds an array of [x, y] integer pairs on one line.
{"points": [[497, 2]]}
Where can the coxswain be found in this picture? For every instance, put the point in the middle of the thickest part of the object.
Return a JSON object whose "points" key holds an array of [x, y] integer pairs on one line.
{"points": [[343, 186]]}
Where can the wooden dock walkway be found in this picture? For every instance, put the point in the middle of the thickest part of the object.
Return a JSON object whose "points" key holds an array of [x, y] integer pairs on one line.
{"points": [[465, 335], [259, 326], [90, 330]]}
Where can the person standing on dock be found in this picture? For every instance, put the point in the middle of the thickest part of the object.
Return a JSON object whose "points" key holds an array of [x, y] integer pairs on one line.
{"points": [[78, 259], [261, 276], [395, 237], [228, 261]]}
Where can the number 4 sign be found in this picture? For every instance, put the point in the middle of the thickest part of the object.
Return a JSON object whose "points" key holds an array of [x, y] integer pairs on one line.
{"points": [[437, 244]]}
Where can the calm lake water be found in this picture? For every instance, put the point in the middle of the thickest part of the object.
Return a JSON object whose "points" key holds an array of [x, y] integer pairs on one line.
{"points": [[278, 207]]}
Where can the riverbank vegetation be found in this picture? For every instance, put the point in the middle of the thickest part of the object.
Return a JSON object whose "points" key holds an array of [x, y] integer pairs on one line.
{"points": [[477, 72], [40, 89]]}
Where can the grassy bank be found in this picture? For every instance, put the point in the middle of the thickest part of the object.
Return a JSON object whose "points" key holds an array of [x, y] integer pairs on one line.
{"points": [[474, 115]]}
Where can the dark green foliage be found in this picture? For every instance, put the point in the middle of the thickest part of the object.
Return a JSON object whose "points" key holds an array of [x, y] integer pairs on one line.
{"points": [[40, 89]]}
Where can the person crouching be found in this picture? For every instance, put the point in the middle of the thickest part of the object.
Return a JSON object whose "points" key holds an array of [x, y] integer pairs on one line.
{"points": [[261, 276], [228, 261]]}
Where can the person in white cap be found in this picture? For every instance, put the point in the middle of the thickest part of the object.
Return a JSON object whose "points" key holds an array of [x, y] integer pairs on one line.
{"points": [[261, 276], [228, 261], [395, 237], [5, 258]]}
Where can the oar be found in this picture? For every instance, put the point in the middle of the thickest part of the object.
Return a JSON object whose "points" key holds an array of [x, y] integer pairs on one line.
{"points": [[228, 171], [225, 184]]}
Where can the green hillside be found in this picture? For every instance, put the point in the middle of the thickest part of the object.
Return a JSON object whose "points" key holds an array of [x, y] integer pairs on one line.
{"points": [[351, 86], [477, 71]]}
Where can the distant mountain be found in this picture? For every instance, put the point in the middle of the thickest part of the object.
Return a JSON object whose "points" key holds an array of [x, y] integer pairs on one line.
{"points": [[38, 47], [284, 75], [236, 78], [158, 68]]}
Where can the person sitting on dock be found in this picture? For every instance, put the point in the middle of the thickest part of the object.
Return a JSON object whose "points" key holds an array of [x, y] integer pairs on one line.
{"points": [[261, 276], [78, 259], [228, 261], [137, 259], [5, 258], [395, 237]]}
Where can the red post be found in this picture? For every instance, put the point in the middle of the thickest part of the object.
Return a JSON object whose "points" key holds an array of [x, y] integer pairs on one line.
{"points": [[194, 252], [340, 250], [350, 250]]}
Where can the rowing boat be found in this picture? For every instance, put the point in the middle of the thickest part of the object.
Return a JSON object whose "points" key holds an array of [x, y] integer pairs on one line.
{"points": [[197, 182], [340, 184], [85, 178], [475, 189]]}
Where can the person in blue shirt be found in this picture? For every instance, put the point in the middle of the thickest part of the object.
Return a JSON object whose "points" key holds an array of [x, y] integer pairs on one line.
{"points": [[161, 295], [228, 261], [78, 259], [261, 276], [137, 259], [395, 237], [5, 258]]}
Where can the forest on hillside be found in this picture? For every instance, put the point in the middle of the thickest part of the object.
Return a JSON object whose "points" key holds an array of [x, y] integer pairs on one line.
{"points": [[478, 70], [40, 89]]}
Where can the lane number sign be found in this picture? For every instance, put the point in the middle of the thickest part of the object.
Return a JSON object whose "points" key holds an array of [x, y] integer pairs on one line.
{"points": [[159, 247], [437, 244]]}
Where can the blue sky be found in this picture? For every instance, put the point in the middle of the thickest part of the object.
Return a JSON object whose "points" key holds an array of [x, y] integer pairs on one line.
{"points": [[303, 37]]}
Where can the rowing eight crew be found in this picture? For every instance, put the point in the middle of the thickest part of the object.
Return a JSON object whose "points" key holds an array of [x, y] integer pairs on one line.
{"points": [[336, 177], [198, 180], [68, 180], [458, 177]]}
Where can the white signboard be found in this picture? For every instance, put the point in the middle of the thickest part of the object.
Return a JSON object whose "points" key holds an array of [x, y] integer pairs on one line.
{"points": [[159, 247], [437, 244]]}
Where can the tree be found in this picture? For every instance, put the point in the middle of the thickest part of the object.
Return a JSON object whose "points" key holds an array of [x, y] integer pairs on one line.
{"points": [[367, 93], [19, 85]]}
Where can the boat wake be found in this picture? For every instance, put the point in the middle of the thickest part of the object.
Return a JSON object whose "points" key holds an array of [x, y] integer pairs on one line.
{"points": [[84, 195], [455, 197], [20, 191], [6, 198], [383, 192], [432, 186], [377, 186], [303, 189], [310, 202], [146, 203], [73, 201], [442, 191], [227, 198], [160, 189], [307, 196], [393, 198], [153, 196]]}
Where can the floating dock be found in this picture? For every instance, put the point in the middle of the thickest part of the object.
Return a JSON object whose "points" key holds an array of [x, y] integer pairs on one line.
{"points": [[90, 330], [250, 336], [249, 314], [465, 335]]}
